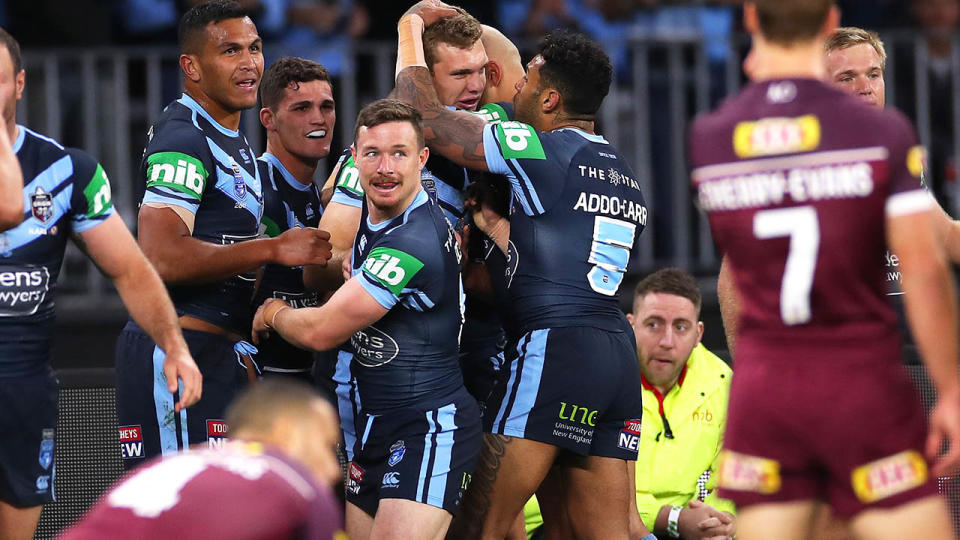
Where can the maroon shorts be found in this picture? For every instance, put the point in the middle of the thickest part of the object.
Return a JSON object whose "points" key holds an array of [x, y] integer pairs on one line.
{"points": [[849, 431]]}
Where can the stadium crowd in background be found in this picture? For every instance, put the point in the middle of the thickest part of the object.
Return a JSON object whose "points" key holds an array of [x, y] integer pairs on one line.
{"points": [[457, 280]]}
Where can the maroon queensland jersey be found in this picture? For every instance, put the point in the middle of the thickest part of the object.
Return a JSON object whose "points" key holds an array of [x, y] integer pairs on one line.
{"points": [[238, 492], [797, 179]]}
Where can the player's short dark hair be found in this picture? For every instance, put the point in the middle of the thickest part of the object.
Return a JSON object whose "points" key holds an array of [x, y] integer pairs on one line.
{"points": [[578, 68], [384, 111], [786, 22], [461, 31], [259, 406], [669, 281], [194, 22], [285, 72], [13, 48]]}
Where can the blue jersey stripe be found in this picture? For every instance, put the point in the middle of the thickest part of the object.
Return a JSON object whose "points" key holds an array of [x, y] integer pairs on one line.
{"points": [[379, 293], [429, 454], [348, 402], [348, 199], [446, 420], [22, 235], [163, 405]]}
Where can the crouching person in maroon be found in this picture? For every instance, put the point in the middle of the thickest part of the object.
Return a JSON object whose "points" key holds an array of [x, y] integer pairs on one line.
{"points": [[272, 480]]}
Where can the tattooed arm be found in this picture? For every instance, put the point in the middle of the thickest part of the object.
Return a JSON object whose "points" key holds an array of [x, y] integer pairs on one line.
{"points": [[456, 135]]}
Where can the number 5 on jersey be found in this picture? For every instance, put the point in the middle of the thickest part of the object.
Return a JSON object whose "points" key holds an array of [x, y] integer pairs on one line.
{"points": [[609, 253]]}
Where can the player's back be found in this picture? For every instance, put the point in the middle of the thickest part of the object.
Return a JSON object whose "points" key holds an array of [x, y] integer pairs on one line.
{"points": [[236, 492], [798, 179], [577, 212]]}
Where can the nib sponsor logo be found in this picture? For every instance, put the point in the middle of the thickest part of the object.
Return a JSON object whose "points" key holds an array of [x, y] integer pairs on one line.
{"points": [[216, 433], [131, 442]]}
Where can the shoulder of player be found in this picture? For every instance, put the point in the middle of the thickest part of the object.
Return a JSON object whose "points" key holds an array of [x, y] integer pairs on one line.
{"points": [[177, 133]]}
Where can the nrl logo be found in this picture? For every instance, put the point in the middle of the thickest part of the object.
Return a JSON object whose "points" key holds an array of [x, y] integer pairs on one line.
{"points": [[239, 186], [41, 205]]}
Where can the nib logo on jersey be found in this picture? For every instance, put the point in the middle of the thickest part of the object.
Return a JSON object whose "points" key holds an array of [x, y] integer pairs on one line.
{"points": [[22, 289], [131, 442], [216, 433]]}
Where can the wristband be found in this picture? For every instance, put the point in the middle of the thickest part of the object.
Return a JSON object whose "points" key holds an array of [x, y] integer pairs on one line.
{"points": [[273, 318], [673, 522], [410, 43]]}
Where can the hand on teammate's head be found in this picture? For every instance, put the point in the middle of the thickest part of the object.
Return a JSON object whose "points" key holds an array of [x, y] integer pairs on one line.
{"points": [[432, 11]]}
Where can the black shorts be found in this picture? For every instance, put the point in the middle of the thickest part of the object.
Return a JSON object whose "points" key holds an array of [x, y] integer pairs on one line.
{"points": [[427, 456], [482, 366], [148, 424], [577, 388], [28, 420]]}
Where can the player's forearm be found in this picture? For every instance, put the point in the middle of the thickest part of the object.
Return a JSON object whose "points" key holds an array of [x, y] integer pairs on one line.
{"points": [[305, 328], [729, 299], [948, 234], [11, 185], [189, 260], [149, 304], [931, 307]]}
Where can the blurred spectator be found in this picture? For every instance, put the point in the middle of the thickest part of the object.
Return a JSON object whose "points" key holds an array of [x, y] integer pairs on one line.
{"points": [[937, 20], [322, 30]]}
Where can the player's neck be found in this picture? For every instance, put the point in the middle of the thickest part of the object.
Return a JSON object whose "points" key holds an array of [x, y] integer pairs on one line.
{"points": [[301, 169], [771, 61], [224, 117], [562, 120], [379, 214]]}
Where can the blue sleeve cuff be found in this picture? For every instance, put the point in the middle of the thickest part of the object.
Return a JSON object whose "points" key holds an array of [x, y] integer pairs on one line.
{"points": [[342, 198], [383, 297], [491, 152]]}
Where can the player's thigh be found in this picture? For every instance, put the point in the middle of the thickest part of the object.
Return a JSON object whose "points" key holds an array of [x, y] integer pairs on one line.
{"points": [[926, 518], [518, 467], [553, 510], [783, 521], [403, 519], [28, 419], [359, 523], [18, 523], [598, 493]]}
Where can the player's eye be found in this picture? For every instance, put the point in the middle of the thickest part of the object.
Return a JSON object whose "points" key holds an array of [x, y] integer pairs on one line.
{"points": [[255, 48], [230, 50], [399, 153]]}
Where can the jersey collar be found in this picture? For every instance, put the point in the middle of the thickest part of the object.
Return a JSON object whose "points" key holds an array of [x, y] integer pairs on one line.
{"points": [[21, 136], [293, 182], [192, 104], [419, 200]]}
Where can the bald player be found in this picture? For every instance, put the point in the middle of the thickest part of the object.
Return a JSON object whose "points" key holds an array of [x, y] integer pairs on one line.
{"points": [[504, 67], [272, 480]]}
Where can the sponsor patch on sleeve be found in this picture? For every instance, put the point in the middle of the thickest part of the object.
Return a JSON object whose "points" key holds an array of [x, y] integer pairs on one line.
{"points": [[349, 177], [519, 141], [177, 171], [97, 193], [889, 476], [492, 113], [391, 268], [748, 473]]}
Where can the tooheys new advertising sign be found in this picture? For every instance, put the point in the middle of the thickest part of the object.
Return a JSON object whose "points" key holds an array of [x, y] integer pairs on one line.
{"points": [[22, 289]]}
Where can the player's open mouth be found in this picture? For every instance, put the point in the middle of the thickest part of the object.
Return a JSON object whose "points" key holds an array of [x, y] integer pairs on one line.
{"points": [[317, 134], [247, 83], [469, 104], [384, 186]]}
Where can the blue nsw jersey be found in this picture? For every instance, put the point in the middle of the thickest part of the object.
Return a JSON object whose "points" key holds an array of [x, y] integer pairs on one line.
{"points": [[65, 192], [410, 265], [575, 231], [194, 163], [287, 204]]}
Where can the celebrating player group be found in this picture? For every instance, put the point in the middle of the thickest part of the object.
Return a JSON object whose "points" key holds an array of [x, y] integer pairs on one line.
{"points": [[456, 284]]}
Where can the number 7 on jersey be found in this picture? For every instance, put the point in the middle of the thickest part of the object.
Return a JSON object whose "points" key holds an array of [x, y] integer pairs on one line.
{"points": [[803, 227]]}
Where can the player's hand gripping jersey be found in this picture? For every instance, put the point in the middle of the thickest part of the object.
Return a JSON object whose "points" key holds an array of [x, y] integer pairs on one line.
{"points": [[208, 172], [411, 266], [287, 204], [66, 193], [797, 196], [581, 212]]}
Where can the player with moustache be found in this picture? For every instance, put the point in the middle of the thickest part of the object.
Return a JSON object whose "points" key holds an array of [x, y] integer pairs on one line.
{"points": [[459, 62], [564, 290], [401, 311], [198, 224], [299, 114], [818, 366], [68, 197]]}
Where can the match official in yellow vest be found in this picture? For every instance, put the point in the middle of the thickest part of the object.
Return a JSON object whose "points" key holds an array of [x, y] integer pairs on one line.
{"points": [[685, 393]]}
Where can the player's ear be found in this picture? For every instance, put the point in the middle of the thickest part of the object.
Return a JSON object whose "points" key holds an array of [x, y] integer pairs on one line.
{"points": [[699, 331], [424, 156], [494, 74], [832, 22], [750, 21], [353, 151], [21, 81], [190, 67], [630, 318], [550, 101], [266, 118]]}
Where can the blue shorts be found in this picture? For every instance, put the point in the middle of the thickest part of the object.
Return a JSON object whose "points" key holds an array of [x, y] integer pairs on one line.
{"points": [[28, 419], [147, 422], [481, 365], [577, 388], [427, 456]]}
